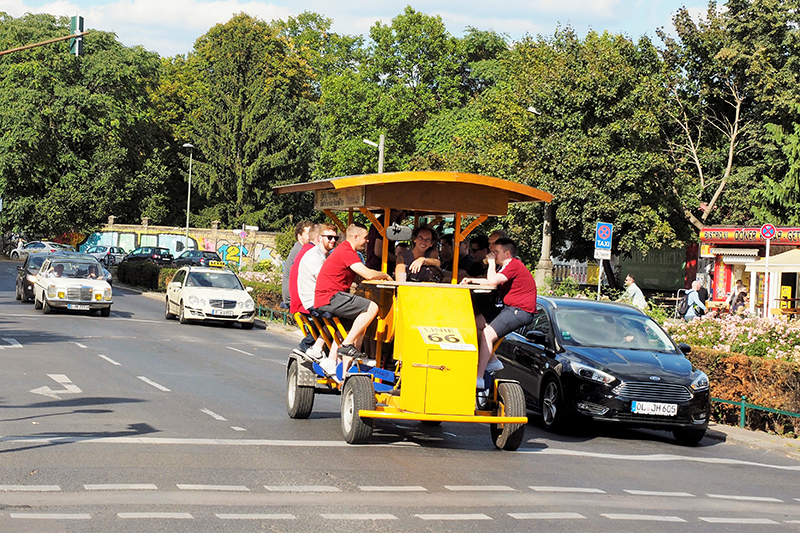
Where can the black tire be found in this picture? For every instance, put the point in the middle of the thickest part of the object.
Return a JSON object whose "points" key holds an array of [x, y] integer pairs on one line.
{"points": [[358, 394], [689, 437], [247, 325], [552, 404], [182, 318], [167, 314], [14, 254], [46, 309], [36, 303], [509, 436], [105, 311], [299, 400], [17, 293]]}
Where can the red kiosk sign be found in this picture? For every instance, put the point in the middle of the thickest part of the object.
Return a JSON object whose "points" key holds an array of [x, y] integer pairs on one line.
{"points": [[723, 235]]}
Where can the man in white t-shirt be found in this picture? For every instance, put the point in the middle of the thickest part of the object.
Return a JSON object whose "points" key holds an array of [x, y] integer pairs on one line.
{"points": [[307, 271]]}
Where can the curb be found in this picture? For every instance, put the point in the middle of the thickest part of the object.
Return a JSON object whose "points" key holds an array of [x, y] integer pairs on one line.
{"points": [[754, 439]]}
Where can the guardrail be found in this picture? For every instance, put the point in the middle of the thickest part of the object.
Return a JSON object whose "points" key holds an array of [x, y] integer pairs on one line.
{"points": [[743, 406]]}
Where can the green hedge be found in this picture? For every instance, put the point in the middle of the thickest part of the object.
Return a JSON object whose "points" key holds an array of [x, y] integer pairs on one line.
{"points": [[139, 273]]}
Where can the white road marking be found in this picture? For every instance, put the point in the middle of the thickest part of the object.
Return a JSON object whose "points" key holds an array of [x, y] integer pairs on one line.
{"points": [[231, 516], [29, 488], [659, 493], [358, 516], [219, 488], [237, 428], [661, 457], [728, 520], [240, 351], [546, 516], [479, 488], [121, 486], [276, 361], [792, 521], [154, 384], [568, 489], [301, 488], [393, 488], [61, 379], [745, 498], [645, 517], [108, 359], [154, 515], [53, 516], [79, 345], [453, 516], [14, 343], [213, 415], [197, 441]]}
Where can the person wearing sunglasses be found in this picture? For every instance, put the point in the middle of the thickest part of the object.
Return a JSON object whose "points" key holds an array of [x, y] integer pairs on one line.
{"points": [[421, 263], [478, 247]]}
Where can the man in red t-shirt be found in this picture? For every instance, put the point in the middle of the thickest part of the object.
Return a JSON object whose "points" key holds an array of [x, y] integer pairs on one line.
{"points": [[332, 293], [518, 294]]}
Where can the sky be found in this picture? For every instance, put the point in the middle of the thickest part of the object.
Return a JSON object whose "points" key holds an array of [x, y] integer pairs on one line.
{"points": [[171, 27]]}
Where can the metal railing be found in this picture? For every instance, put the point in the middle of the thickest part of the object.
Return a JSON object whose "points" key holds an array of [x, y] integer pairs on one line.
{"points": [[274, 315], [744, 406]]}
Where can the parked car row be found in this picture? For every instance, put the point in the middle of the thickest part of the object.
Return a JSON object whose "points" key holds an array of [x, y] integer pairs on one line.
{"points": [[114, 255]]}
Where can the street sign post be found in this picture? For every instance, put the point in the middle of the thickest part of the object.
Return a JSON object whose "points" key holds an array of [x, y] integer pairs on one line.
{"points": [[768, 232], [602, 248]]}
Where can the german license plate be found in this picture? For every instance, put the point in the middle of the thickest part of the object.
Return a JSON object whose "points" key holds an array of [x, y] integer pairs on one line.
{"points": [[78, 307], [651, 408], [221, 312]]}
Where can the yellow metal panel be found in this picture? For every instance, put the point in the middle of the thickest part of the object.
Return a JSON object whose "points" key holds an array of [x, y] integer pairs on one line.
{"points": [[484, 419], [435, 327]]}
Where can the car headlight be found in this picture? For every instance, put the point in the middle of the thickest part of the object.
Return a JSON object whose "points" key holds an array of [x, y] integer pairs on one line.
{"points": [[193, 300], [31, 278], [590, 373], [107, 294], [700, 382], [248, 304], [51, 291]]}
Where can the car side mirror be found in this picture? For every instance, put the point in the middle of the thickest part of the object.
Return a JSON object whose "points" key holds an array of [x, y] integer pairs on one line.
{"points": [[19, 267], [249, 289], [685, 348], [536, 337]]}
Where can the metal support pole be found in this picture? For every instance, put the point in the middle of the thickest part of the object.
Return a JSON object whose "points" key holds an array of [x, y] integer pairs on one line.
{"points": [[544, 269], [766, 282], [189, 193], [381, 144]]}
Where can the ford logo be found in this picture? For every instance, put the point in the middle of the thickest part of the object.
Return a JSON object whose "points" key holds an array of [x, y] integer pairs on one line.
{"points": [[655, 378]]}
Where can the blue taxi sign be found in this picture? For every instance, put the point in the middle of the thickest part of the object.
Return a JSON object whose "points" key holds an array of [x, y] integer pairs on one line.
{"points": [[602, 235]]}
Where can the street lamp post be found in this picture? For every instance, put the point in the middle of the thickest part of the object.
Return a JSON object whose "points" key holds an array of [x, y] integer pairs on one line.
{"points": [[544, 269], [189, 192], [379, 145]]}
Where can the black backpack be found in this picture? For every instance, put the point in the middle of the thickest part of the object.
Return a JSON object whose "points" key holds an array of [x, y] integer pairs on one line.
{"points": [[683, 306]]}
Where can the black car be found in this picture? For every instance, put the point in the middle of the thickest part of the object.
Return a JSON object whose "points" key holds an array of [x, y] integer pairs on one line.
{"points": [[159, 256], [196, 258], [26, 276], [607, 362]]}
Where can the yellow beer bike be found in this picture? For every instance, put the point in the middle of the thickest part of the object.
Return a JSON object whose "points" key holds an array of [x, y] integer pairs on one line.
{"points": [[430, 326]]}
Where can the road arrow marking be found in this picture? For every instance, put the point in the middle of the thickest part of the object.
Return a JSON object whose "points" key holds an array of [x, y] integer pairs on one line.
{"points": [[61, 379]]}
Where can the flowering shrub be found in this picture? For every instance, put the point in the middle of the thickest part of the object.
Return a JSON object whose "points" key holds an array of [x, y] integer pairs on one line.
{"points": [[261, 277], [776, 337]]}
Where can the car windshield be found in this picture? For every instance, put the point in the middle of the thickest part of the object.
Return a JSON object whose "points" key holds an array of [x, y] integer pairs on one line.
{"points": [[74, 269], [601, 329], [210, 255], [35, 262], [217, 280]]}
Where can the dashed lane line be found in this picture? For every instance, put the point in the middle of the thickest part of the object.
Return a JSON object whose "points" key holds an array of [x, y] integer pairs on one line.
{"points": [[659, 493], [393, 488], [52, 516], [728, 520], [242, 516], [473, 516], [744, 498], [643, 517], [183, 516], [29, 488], [101, 356], [237, 428], [240, 351], [585, 490], [216, 488], [196, 441], [355, 516], [302, 488], [79, 345], [479, 488], [213, 415], [154, 384], [121, 486], [546, 516]]}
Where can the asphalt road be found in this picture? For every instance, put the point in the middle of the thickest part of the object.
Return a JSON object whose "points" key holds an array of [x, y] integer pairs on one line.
{"points": [[136, 423]]}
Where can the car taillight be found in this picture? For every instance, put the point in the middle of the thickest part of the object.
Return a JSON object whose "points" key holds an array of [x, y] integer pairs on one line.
{"points": [[156, 256], [202, 260]]}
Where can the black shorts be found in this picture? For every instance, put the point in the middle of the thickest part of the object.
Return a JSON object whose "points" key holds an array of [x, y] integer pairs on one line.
{"points": [[345, 305], [509, 319]]}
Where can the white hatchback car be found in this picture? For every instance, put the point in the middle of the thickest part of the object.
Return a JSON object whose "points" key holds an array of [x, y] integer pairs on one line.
{"points": [[72, 283], [203, 293]]}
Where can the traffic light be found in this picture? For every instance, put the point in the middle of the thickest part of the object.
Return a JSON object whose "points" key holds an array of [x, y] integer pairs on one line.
{"points": [[76, 43]]}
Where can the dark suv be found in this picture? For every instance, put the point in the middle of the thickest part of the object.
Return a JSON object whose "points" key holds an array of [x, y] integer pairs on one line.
{"points": [[159, 256], [196, 258]]}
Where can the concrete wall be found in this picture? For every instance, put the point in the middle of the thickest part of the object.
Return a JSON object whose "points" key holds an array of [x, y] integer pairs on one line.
{"points": [[258, 245]]}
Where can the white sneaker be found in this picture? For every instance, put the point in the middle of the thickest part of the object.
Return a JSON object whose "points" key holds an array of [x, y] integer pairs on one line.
{"points": [[328, 365], [314, 353], [493, 366]]}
